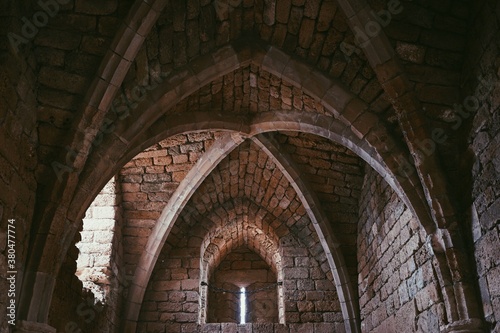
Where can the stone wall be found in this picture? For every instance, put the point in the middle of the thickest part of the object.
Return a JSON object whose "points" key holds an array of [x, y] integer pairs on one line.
{"points": [[227, 201], [94, 265], [18, 141], [171, 302], [93, 297], [310, 296], [148, 182], [172, 298], [73, 309], [396, 281], [243, 268], [485, 144], [335, 174], [99, 264], [235, 187], [42, 87]]}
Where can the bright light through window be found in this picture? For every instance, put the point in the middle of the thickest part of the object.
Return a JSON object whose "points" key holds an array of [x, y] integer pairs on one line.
{"points": [[243, 305]]}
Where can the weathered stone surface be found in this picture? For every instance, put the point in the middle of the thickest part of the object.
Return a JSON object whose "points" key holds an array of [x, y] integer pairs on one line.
{"points": [[43, 89], [95, 7]]}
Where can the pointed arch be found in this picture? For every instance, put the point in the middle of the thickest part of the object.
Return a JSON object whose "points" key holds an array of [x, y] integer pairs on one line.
{"points": [[209, 160], [211, 254], [445, 239], [320, 125], [55, 232], [352, 125], [329, 242]]}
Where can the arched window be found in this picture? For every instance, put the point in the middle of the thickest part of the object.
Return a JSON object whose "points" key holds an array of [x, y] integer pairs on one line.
{"points": [[239, 255], [243, 288]]}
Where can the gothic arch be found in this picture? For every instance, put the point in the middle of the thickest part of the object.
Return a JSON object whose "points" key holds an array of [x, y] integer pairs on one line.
{"points": [[130, 134], [329, 241], [431, 202], [211, 254], [444, 237], [53, 217], [336, 98], [319, 125]]}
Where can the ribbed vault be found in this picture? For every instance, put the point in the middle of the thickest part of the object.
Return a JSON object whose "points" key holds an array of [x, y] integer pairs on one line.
{"points": [[255, 67]]}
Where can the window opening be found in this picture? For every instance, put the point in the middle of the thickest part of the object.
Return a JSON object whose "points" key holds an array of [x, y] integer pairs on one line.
{"points": [[243, 305], [243, 295], [96, 246], [222, 299]]}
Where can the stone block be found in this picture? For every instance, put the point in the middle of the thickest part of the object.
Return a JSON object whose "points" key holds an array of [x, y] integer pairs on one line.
{"points": [[229, 328], [157, 178], [103, 238], [132, 171], [325, 328], [283, 11], [58, 39], [326, 15], [96, 7], [169, 307], [306, 33], [50, 57], [210, 328], [135, 196], [324, 285], [493, 277], [296, 273], [411, 52], [301, 328], [294, 252], [190, 284], [189, 328], [95, 45], [166, 285]]}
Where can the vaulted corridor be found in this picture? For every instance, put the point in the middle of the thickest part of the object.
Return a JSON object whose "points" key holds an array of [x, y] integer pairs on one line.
{"points": [[262, 166]]}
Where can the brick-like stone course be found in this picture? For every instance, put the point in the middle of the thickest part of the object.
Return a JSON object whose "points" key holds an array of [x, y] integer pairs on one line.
{"points": [[52, 74], [249, 90], [336, 176], [94, 299], [246, 173], [18, 150], [148, 182], [484, 140], [68, 51], [394, 286], [242, 267]]}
